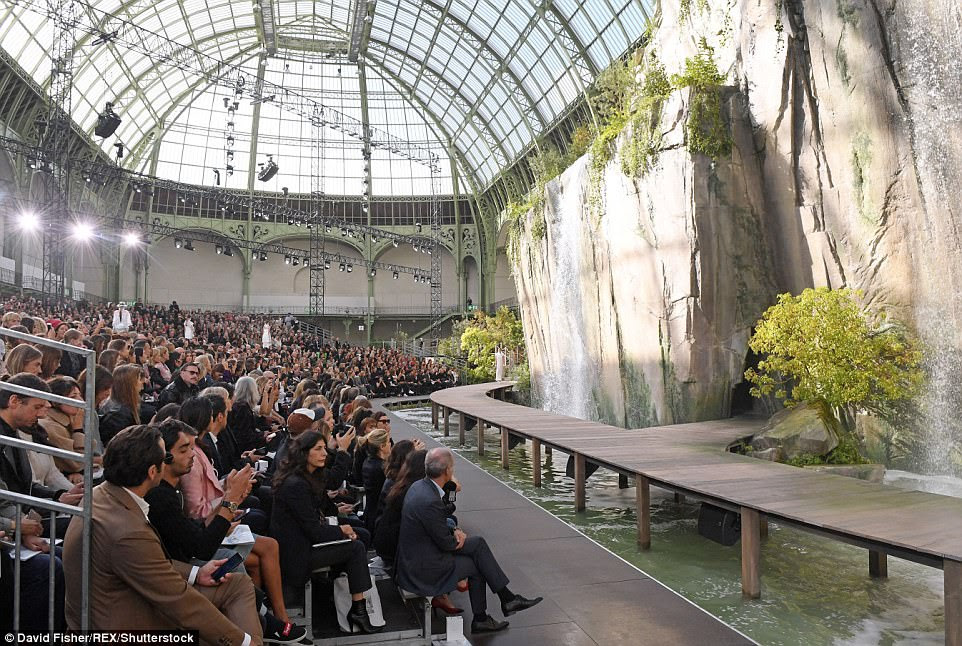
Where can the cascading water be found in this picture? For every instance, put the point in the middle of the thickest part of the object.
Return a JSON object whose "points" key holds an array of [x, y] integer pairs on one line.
{"points": [[927, 39], [565, 386]]}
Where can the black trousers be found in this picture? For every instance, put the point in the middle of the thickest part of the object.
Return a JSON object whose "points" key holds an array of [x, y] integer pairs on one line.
{"points": [[477, 564], [350, 558]]}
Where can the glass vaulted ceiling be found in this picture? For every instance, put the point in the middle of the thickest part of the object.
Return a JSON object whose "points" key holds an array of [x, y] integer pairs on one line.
{"points": [[485, 76]]}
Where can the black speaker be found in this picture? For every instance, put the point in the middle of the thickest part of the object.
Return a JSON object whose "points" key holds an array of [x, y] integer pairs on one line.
{"points": [[719, 525], [107, 123]]}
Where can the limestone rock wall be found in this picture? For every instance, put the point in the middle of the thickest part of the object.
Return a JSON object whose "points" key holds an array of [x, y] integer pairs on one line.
{"points": [[847, 121]]}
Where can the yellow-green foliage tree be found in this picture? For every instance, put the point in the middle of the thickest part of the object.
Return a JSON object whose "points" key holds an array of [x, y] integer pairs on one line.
{"points": [[824, 348], [483, 334]]}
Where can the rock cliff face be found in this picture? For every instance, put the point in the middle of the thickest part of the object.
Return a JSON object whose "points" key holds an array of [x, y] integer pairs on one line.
{"points": [[846, 117]]}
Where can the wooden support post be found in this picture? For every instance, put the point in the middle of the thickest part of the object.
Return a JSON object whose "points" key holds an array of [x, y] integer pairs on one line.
{"points": [[434, 415], [751, 554], [952, 573], [480, 437], [504, 448], [446, 413], [878, 564], [579, 482], [643, 499], [462, 422], [536, 461], [763, 526]]}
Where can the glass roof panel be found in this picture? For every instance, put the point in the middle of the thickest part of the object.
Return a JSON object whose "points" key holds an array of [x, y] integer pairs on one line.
{"points": [[462, 60]]}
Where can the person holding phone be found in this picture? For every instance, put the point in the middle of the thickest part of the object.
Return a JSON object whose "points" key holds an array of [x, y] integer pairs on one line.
{"points": [[133, 584]]}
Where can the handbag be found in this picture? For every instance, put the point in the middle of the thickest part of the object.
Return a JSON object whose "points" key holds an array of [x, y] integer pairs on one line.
{"points": [[342, 603]]}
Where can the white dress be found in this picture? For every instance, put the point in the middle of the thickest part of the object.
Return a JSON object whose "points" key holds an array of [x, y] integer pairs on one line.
{"points": [[266, 338], [499, 365], [188, 329], [121, 322]]}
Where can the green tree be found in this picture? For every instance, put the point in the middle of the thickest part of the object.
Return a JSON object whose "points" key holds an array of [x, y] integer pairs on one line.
{"points": [[823, 348], [483, 334]]}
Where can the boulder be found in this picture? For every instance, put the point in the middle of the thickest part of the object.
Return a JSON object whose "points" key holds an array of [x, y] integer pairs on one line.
{"points": [[773, 454], [796, 431]]}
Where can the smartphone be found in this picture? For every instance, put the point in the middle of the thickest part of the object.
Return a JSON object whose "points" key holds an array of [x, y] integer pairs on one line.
{"points": [[224, 569]]}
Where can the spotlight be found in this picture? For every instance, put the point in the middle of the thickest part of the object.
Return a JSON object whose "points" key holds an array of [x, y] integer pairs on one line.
{"points": [[29, 221], [350, 268], [82, 232], [415, 245], [307, 261], [373, 272], [394, 242], [263, 256], [295, 262], [327, 264], [107, 121], [343, 233], [120, 150], [394, 276], [340, 267], [267, 170], [188, 245], [219, 250], [131, 239], [178, 243], [287, 260], [228, 252]]}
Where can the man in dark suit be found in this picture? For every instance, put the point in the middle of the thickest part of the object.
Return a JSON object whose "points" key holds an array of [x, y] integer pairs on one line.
{"points": [[432, 557], [133, 582]]}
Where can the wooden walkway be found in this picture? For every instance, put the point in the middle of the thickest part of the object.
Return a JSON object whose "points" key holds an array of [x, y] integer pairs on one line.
{"points": [[690, 459]]}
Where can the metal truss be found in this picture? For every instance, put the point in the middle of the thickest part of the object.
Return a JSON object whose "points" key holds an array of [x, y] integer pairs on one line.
{"points": [[100, 173], [54, 136], [318, 267], [164, 51], [437, 310]]}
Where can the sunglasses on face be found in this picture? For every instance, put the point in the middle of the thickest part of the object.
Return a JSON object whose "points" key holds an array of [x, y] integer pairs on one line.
{"points": [[191, 372]]}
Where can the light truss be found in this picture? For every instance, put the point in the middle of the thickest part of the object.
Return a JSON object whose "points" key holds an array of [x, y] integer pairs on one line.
{"points": [[261, 206], [164, 51]]}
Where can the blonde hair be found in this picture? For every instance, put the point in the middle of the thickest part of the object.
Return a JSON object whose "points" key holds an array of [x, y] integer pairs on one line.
{"points": [[316, 400], [203, 363], [374, 441]]}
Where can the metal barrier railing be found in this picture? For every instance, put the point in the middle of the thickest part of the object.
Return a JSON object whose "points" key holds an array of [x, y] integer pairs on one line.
{"points": [[84, 511]]}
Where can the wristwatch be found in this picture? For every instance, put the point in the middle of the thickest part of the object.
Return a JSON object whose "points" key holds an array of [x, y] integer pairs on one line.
{"points": [[232, 506]]}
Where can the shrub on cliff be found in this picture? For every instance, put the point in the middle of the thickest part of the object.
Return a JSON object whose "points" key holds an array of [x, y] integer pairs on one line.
{"points": [[824, 348], [483, 334]]}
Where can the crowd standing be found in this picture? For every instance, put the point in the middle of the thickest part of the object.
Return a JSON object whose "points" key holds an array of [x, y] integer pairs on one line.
{"points": [[223, 435]]}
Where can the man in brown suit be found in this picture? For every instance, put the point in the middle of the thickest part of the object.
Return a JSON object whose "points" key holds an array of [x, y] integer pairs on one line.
{"points": [[133, 584]]}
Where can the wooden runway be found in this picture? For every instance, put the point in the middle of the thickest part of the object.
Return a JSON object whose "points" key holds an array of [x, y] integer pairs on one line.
{"points": [[690, 459]]}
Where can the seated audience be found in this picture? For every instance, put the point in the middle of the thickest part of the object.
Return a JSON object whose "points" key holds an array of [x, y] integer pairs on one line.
{"points": [[297, 524], [186, 539], [183, 386], [124, 407], [133, 583], [377, 446], [432, 557]]}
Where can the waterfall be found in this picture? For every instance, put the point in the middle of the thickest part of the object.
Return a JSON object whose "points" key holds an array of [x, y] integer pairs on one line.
{"points": [[928, 40], [565, 386]]}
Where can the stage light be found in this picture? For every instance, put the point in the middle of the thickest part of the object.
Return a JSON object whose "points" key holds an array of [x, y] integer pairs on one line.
{"points": [[267, 170], [350, 268], [107, 121], [415, 245], [373, 272], [178, 243], [82, 232], [327, 264], [218, 249], [29, 221], [395, 275], [287, 260], [340, 267], [395, 243], [295, 262], [131, 239], [263, 256], [228, 252], [188, 245]]}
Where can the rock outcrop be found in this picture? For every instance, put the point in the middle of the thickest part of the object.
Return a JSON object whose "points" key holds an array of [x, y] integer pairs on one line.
{"points": [[847, 126]]}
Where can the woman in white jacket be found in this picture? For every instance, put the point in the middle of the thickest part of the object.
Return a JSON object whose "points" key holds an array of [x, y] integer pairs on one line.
{"points": [[266, 337]]}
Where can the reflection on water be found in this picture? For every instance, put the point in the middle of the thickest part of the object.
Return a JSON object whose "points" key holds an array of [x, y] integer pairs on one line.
{"points": [[814, 590]]}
